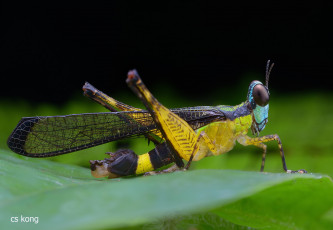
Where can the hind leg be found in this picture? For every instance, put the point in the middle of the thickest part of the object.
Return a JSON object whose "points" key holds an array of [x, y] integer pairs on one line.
{"points": [[181, 139]]}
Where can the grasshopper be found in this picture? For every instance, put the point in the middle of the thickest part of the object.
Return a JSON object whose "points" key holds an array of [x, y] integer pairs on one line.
{"points": [[179, 134]]}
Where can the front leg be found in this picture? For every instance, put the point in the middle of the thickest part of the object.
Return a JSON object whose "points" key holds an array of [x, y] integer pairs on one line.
{"points": [[258, 141]]}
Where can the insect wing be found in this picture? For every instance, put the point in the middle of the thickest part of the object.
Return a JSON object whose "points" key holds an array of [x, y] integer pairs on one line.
{"points": [[200, 116], [55, 135]]}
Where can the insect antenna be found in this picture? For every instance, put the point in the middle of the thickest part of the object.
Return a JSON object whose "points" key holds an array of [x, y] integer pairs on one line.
{"points": [[268, 71]]}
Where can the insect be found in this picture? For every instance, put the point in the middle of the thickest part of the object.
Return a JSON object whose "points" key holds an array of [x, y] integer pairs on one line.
{"points": [[178, 134]]}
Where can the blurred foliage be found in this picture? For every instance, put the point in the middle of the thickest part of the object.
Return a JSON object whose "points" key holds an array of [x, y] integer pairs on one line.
{"points": [[304, 123]]}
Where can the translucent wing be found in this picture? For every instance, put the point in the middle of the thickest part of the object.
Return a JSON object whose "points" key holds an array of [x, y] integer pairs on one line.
{"points": [[54, 135], [200, 116]]}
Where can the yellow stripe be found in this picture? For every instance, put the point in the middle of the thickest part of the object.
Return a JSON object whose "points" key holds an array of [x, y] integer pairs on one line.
{"points": [[144, 164]]}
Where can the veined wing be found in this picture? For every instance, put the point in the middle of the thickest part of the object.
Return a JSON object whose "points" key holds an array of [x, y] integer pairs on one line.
{"points": [[200, 116], [54, 135]]}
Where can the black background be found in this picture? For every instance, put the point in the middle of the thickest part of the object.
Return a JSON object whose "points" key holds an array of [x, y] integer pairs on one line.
{"points": [[50, 49]]}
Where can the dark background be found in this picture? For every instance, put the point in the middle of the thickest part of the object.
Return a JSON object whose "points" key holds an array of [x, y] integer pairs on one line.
{"points": [[49, 50]]}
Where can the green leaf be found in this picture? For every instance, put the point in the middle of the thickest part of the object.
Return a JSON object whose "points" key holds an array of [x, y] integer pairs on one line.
{"points": [[68, 197], [296, 204]]}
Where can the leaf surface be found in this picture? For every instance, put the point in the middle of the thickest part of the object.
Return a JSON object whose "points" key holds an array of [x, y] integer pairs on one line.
{"points": [[68, 197]]}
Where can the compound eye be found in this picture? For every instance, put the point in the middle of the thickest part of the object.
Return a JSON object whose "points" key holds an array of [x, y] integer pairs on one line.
{"points": [[260, 95]]}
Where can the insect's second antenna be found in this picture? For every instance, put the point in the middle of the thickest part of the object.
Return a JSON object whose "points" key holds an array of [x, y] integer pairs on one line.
{"points": [[268, 71]]}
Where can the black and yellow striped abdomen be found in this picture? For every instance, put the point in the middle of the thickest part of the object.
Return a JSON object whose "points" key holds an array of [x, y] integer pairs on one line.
{"points": [[126, 162]]}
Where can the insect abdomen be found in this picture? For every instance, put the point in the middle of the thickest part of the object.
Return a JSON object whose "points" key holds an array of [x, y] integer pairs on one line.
{"points": [[154, 159], [125, 162]]}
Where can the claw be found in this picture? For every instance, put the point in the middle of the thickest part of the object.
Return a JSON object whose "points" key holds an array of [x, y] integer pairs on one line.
{"points": [[151, 173], [302, 171], [173, 168]]}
